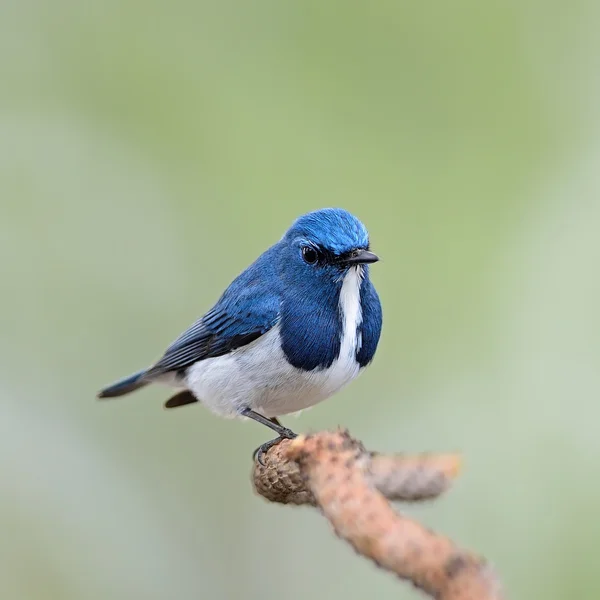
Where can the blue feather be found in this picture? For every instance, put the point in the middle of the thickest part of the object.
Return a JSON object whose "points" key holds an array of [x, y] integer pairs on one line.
{"points": [[311, 331], [124, 386], [335, 229], [370, 328], [248, 308]]}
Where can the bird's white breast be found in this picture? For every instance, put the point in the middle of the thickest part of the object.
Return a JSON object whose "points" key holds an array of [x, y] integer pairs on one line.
{"points": [[259, 376]]}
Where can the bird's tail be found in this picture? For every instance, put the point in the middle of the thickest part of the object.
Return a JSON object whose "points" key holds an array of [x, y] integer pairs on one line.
{"points": [[125, 386]]}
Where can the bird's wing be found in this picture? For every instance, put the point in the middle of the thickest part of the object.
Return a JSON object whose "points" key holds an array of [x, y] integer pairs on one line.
{"points": [[240, 317]]}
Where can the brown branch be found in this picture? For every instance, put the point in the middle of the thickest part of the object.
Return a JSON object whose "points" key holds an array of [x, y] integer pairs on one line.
{"points": [[350, 485]]}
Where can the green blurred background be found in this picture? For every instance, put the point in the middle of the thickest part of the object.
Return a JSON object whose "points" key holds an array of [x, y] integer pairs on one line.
{"points": [[149, 151]]}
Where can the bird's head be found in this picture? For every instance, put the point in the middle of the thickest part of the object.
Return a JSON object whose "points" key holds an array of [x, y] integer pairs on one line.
{"points": [[322, 245]]}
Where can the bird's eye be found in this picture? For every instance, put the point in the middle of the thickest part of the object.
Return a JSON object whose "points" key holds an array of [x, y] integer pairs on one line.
{"points": [[309, 255]]}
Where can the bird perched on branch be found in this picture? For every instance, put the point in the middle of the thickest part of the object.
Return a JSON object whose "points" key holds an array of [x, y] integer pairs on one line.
{"points": [[291, 330]]}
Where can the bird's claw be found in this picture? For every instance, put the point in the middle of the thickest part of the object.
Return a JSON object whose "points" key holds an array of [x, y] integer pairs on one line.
{"points": [[261, 451]]}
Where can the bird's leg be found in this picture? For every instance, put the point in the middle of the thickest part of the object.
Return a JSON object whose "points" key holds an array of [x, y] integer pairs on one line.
{"points": [[283, 433], [273, 423]]}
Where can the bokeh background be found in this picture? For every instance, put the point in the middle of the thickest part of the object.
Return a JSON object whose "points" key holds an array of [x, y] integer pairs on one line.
{"points": [[150, 150]]}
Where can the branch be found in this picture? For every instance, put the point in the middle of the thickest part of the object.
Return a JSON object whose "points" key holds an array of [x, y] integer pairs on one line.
{"points": [[351, 487]]}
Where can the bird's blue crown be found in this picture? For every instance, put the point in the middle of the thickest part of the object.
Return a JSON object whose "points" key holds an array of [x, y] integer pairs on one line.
{"points": [[334, 229]]}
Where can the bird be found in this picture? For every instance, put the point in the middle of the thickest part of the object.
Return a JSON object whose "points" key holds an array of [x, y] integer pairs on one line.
{"points": [[301, 322]]}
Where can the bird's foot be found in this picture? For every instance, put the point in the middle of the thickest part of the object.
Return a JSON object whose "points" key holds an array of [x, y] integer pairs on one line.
{"points": [[260, 452]]}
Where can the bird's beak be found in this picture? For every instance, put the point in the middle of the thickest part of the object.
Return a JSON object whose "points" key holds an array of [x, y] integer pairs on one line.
{"points": [[361, 257]]}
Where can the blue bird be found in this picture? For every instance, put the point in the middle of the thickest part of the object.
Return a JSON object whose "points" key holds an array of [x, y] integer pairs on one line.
{"points": [[291, 330]]}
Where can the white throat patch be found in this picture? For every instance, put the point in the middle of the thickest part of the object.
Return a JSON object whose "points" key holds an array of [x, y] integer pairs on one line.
{"points": [[351, 310]]}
